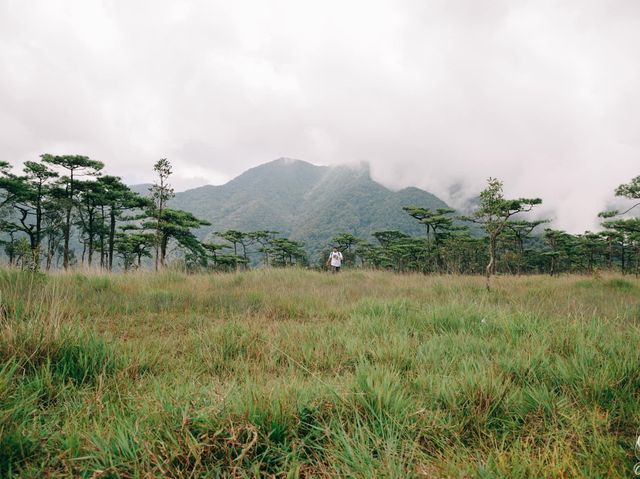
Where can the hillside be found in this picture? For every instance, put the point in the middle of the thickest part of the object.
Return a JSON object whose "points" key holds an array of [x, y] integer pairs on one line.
{"points": [[304, 202]]}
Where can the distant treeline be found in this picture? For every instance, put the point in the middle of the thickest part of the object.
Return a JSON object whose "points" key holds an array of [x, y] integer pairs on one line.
{"points": [[497, 237], [62, 212]]}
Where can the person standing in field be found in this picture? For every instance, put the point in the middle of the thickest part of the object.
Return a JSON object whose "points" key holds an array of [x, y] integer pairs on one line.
{"points": [[335, 260]]}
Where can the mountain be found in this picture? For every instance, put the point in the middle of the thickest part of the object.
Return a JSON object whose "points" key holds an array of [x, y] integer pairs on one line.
{"points": [[304, 202]]}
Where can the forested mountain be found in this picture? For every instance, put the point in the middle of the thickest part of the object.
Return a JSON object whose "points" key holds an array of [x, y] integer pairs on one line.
{"points": [[304, 202]]}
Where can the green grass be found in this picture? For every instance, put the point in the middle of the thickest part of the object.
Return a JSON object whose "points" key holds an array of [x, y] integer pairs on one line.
{"points": [[303, 374]]}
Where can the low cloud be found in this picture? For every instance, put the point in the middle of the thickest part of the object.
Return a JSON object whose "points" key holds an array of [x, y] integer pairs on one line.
{"points": [[541, 94]]}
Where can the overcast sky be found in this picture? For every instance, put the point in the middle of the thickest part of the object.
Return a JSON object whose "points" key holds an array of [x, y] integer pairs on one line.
{"points": [[544, 94]]}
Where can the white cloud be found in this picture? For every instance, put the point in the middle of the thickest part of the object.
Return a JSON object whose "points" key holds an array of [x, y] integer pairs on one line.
{"points": [[539, 93]]}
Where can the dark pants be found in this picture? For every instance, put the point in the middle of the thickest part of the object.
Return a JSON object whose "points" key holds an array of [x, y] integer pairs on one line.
{"points": [[335, 269]]}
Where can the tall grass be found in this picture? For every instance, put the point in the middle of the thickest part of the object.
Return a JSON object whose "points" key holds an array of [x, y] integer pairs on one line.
{"points": [[300, 374]]}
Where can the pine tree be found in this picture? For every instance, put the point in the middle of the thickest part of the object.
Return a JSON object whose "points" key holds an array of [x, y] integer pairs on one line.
{"points": [[494, 213], [161, 193], [75, 166]]}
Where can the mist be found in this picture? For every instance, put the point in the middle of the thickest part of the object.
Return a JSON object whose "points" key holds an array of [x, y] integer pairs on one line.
{"points": [[439, 95]]}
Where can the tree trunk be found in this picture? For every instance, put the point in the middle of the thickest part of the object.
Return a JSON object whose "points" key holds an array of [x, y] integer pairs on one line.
{"points": [[112, 234], [67, 226], [491, 267], [11, 250], [521, 261], [91, 221], [163, 250], [244, 255], [235, 256], [50, 251], [36, 250], [159, 239]]}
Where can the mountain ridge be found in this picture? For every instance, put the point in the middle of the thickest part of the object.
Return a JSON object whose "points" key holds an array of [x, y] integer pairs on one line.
{"points": [[305, 202]]}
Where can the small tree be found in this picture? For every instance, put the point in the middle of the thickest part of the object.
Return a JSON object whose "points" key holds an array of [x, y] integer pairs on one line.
{"points": [[560, 244], [132, 247], [440, 226], [439, 223], [236, 238], [397, 249], [287, 252], [124, 248], [177, 225], [494, 213], [263, 238], [161, 192], [372, 256], [214, 253], [517, 232]]}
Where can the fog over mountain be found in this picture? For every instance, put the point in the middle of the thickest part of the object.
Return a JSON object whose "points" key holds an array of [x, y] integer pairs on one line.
{"points": [[438, 95]]}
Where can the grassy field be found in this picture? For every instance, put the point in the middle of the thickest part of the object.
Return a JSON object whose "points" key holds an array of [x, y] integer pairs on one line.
{"points": [[303, 374]]}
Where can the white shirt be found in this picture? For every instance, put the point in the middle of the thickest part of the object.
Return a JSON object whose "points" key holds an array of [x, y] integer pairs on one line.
{"points": [[336, 258]]}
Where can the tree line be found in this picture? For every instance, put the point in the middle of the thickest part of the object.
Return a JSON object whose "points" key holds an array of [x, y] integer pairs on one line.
{"points": [[498, 237], [62, 211]]}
